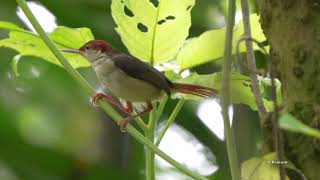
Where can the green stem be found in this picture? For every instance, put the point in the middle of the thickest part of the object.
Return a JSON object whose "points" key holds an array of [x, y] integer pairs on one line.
{"points": [[150, 171], [161, 107], [153, 119], [225, 93], [170, 121], [141, 123], [106, 107]]}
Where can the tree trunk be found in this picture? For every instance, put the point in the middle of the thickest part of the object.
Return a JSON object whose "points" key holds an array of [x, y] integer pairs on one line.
{"points": [[293, 31]]}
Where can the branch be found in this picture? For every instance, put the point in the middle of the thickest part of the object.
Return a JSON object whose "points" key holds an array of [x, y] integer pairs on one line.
{"points": [[149, 133], [252, 61], [161, 106], [106, 107], [141, 123], [277, 134], [225, 93], [170, 121]]}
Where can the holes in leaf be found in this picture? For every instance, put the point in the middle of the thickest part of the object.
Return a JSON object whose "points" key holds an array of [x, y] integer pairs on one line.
{"points": [[142, 27], [161, 21], [155, 3], [128, 12], [170, 17], [188, 7]]}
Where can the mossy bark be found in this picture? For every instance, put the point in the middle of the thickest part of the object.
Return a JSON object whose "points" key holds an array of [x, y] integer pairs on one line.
{"points": [[293, 31]]}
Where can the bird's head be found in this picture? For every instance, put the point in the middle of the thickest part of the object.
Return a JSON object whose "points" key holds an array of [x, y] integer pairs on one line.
{"points": [[93, 50]]}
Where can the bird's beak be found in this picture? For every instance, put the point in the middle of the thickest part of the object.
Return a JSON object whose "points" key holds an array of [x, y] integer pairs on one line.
{"points": [[75, 51]]}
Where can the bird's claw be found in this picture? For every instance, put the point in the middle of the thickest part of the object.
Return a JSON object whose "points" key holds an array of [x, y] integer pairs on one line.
{"points": [[97, 97], [124, 122]]}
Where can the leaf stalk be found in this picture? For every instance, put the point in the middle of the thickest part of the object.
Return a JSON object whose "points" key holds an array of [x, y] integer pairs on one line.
{"points": [[225, 93]]}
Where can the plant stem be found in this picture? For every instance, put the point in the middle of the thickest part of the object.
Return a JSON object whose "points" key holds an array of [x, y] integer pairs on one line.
{"points": [[170, 121], [149, 133], [225, 93], [141, 123], [161, 107], [106, 107], [277, 133], [252, 61], [150, 171]]}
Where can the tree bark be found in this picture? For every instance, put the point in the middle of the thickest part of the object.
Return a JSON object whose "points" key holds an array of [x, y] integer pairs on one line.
{"points": [[293, 31]]}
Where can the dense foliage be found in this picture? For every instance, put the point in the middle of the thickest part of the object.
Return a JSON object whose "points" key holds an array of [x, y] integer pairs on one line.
{"points": [[49, 129]]}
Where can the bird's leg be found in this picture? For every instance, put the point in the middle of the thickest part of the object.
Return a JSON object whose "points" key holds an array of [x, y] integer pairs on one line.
{"points": [[100, 96], [122, 123]]}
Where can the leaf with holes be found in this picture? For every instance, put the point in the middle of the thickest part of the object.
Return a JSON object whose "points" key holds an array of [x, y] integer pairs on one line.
{"points": [[28, 43], [153, 30], [210, 45], [240, 88]]}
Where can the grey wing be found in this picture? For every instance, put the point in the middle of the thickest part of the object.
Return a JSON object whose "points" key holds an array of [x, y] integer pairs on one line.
{"points": [[143, 71]]}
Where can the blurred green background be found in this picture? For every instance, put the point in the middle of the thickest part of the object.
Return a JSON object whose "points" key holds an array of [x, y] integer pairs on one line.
{"points": [[50, 131]]}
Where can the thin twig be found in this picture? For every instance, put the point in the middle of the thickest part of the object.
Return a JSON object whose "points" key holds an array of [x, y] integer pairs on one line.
{"points": [[278, 142], [252, 61], [161, 107], [277, 133], [149, 133], [225, 93], [105, 106], [141, 123], [170, 121]]}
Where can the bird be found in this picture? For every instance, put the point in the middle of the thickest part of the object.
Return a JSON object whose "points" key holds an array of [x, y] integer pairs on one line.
{"points": [[131, 79]]}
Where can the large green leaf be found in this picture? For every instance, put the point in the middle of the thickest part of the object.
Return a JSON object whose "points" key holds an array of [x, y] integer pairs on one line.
{"points": [[210, 45], [153, 30], [290, 123], [30, 44], [240, 88], [265, 167]]}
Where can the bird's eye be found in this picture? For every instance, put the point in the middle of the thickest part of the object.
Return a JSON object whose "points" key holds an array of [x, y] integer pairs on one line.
{"points": [[87, 47]]}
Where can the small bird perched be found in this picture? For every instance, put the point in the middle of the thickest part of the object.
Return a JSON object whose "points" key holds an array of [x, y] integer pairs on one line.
{"points": [[131, 79]]}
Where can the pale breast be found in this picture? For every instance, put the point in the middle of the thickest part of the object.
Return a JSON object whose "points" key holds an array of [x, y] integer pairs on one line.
{"points": [[123, 86]]}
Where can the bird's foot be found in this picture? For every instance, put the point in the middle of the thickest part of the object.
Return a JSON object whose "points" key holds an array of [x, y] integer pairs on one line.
{"points": [[99, 96], [124, 122]]}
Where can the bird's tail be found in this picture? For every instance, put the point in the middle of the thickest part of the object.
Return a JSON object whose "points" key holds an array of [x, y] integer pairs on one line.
{"points": [[196, 90]]}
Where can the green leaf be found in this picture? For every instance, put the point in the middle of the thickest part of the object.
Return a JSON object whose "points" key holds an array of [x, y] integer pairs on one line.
{"points": [[71, 37], [14, 65], [210, 45], [256, 32], [9, 26], [164, 26], [265, 167], [290, 123], [240, 88], [266, 82], [30, 44]]}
